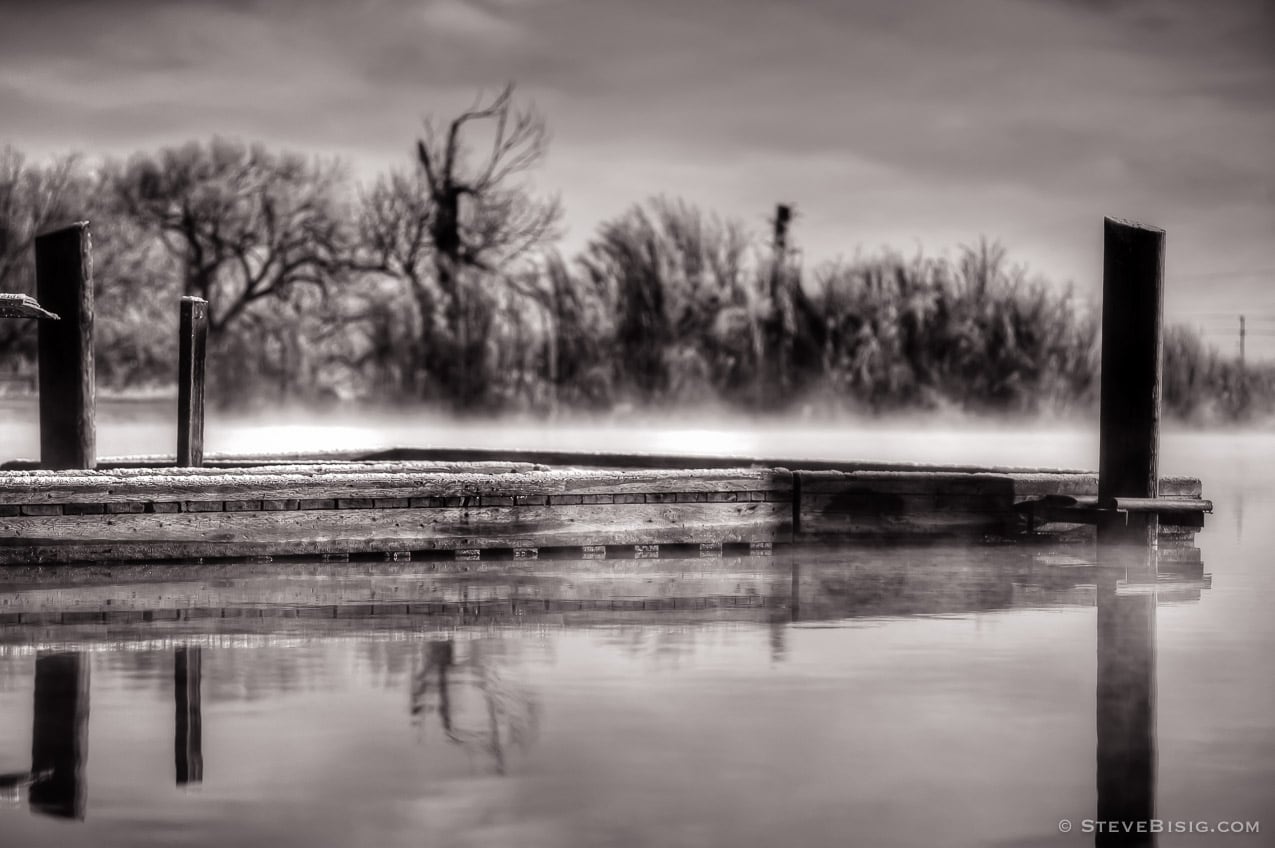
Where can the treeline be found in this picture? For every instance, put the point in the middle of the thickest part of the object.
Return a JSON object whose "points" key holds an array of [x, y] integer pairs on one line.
{"points": [[438, 284]]}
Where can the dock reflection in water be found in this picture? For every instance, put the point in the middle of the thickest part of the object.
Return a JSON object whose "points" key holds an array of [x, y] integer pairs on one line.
{"points": [[670, 701]]}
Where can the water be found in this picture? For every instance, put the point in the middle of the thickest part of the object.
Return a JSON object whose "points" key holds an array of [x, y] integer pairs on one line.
{"points": [[869, 696]]}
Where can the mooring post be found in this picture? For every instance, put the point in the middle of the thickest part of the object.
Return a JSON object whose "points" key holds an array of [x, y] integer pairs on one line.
{"points": [[64, 286], [190, 381], [1132, 343]]}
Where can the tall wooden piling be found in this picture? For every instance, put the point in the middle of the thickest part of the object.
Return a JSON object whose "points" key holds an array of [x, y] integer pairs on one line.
{"points": [[1132, 344], [59, 735], [191, 355], [188, 748], [64, 286]]}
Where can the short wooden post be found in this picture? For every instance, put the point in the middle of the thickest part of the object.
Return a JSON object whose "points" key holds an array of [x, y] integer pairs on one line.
{"points": [[190, 381], [1132, 344], [188, 749], [64, 286]]}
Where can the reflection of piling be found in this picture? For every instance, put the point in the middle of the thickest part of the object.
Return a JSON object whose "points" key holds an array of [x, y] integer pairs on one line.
{"points": [[1132, 309], [188, 739], [59, 735], [64, 285], [1126, 700]]}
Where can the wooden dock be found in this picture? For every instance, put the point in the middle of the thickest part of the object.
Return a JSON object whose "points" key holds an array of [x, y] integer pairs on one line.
{"points": [[71, 507], [517, 510]]}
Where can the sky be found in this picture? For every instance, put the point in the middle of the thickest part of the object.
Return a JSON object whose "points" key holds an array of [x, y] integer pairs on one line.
{"points": [[915, 124]]}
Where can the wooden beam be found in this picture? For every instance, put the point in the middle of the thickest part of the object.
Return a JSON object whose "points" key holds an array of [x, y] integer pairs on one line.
{"points": [[64, 284], [1132, 345], [192, 346], [23, 306], [404, 481]]}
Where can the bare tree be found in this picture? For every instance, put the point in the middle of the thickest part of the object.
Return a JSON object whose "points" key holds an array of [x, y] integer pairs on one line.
{"points": [[449, 231], [498, 221], [246, 224], [394, 241], [501, 220], [33, 198]]}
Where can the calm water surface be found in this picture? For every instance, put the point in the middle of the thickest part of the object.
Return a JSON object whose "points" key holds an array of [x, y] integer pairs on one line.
{"points": [[901, 696]]}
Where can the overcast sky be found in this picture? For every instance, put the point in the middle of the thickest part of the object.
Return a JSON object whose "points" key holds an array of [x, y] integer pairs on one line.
{"points": [[886, 122]]}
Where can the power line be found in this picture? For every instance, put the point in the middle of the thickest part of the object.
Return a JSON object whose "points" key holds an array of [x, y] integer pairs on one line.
{"points": [[1214, 275]]}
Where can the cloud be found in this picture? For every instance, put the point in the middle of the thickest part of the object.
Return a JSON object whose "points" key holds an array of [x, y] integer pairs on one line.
{"points": [[893, 121]]}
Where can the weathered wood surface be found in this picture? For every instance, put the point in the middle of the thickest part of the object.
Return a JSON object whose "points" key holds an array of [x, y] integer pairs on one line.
{"points": [[71, 538], [310, 469], [1132, 353], [192, 343], [108, 487], [64, 284], [833, 505], [607, 459], [1019, 485], [1165, 504], [23, 306], [342, 509]]}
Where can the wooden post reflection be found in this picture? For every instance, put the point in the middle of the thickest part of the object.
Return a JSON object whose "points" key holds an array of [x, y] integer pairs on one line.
{"points": [[188, 750], [794, 605], [59, 735], [1126, 695]]}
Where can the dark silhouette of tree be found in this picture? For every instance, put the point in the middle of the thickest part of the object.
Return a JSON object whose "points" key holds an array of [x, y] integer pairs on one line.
{"points": [[245, 223], [394, 240], [33, 198], [482, 217], [450, 230]]}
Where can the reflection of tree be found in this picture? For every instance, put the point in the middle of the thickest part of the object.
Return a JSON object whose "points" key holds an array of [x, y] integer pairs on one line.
{"points": [[505, 717]]}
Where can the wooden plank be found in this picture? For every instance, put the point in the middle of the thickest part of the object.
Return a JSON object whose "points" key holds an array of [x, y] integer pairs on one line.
{"points": [[23, 306], [867, 502], [1022, 485], [308, 468], [904, 482], [216, 534], [606, 459], [105, 487], [192, 341], [1132, 345], [1164, 505], [825, 527], [64, 285]]}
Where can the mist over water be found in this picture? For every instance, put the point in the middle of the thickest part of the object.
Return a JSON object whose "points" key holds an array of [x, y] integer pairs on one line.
{"points": [[149, 427], [130, 428]]}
